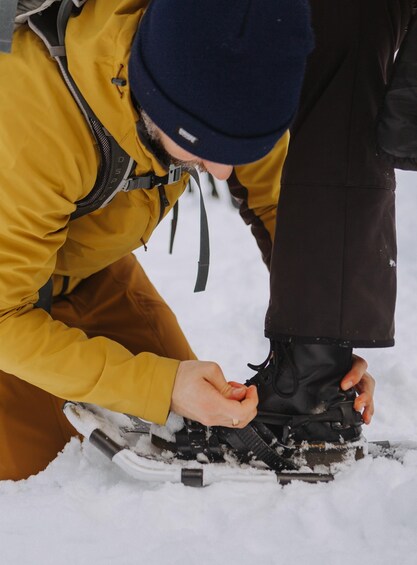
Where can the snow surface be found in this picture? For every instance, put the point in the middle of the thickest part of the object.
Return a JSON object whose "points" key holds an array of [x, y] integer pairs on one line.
{"points": [[83, 510]]}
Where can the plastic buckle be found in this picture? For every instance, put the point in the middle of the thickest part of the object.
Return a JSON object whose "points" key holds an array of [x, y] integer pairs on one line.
{"points": [[174, 174], [350, 417]]}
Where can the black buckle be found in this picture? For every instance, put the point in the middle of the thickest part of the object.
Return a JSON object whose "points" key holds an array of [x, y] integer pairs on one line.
{"points": [[147, 182], [195, 440], [350, 416]]}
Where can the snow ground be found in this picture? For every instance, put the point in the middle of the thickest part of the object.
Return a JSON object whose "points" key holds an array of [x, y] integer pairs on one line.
{"points": [[83, 510]]}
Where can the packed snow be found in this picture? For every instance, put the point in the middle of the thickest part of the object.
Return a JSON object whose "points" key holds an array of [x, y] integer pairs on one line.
{"points": [[83, 510]]}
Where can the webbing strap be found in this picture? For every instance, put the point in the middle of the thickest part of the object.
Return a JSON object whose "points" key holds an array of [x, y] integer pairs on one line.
{"points": [[151, 180], [174, 223], [256, 445], [204, 258], [342, 413]]}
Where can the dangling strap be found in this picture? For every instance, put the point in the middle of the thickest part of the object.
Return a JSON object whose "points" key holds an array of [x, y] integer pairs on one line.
{"points": [[204, 258], [174, 223], [341, 413]]}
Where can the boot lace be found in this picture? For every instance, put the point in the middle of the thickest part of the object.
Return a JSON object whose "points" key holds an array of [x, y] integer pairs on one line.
{"points": [[278, 357]]}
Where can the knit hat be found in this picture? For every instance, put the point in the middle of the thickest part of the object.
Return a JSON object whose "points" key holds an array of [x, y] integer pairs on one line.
{"points": [[221, 78]]}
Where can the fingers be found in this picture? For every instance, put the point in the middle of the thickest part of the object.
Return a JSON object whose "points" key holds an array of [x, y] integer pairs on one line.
{"points": [[201, 393], [234, 391], [238, 414], [359, 367], [364, 384], [364, 402], [228, 412]]}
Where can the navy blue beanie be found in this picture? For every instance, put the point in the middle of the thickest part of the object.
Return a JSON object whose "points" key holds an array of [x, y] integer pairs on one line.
{"points": [[221, 78]]}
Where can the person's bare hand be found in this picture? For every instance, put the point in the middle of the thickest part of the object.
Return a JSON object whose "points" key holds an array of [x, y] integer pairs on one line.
{"points": [[202, 393], [364, 384]]}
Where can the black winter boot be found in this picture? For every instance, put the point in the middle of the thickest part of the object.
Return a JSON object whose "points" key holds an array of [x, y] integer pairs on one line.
{"points": [[301, 402]]}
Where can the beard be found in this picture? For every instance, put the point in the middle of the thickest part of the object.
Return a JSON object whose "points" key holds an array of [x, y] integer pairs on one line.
{"points": [[149, 135]]}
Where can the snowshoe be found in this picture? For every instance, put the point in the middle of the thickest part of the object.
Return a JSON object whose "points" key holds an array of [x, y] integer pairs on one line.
{"points": [[126, 441]]}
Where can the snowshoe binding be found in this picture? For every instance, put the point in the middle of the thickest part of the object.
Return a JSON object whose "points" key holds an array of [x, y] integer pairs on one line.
{"points": [[125, 441], [302, 404], [304, 418]]}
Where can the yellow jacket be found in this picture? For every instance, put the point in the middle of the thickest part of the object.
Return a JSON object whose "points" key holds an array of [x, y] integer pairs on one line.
{"points": [[47, 162]]}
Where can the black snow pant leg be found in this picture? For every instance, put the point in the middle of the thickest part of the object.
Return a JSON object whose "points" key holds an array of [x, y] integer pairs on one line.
{"points": [[333, 268]]}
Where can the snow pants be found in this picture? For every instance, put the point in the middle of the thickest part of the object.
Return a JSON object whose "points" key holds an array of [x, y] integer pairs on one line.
{"points": [[333, 267], [120, 303]]}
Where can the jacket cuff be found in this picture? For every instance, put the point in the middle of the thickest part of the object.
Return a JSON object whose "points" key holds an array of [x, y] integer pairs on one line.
{"points": [[160, 392]]}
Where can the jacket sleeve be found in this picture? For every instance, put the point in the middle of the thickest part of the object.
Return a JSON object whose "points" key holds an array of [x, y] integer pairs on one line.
{"points": [[256, 188], [43, 171], [47, 353]]}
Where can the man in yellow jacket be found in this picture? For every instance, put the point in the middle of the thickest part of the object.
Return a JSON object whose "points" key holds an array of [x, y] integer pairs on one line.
{"points": [[206, 84]]}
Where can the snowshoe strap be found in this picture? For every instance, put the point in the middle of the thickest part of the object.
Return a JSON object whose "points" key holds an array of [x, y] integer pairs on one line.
{"points": [[201, 443], [342, 413], [250, 441]]}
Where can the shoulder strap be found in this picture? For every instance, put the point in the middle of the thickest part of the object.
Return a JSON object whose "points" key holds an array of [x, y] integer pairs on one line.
{"points": [[115, 164], [8, 9]]}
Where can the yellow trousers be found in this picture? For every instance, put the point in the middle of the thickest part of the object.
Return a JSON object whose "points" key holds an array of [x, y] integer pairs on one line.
{"points": [[120, 303]]}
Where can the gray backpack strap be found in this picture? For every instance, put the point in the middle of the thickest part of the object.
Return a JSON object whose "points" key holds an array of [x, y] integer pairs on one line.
{"points": [[16, 12], [116, 167], [115, 164], [8, 9]]}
